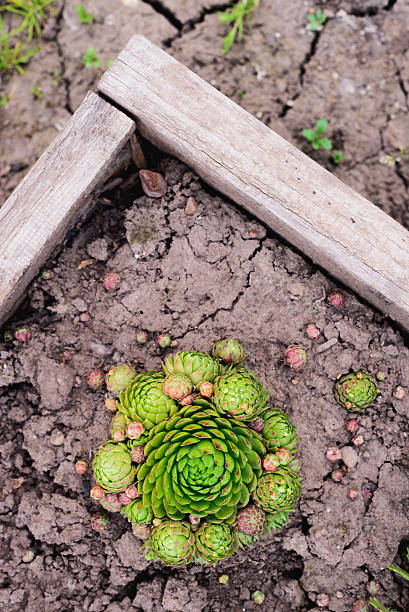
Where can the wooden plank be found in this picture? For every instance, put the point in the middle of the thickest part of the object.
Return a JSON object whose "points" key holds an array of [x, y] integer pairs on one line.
{"points": [[245, 160], [39, 212]]}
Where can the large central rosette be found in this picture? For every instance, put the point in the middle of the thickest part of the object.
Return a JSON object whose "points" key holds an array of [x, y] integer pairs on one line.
{"points": [[200, 463]]}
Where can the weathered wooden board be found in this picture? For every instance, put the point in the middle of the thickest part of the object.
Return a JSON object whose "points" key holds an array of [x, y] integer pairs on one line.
{"points": [[38, 213], [238, 155]]}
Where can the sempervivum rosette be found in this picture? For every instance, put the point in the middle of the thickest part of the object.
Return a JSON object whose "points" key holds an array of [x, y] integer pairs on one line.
{"points": [[278, 431], [215, 541], [238, 393], [196, 366], [145, 401], [277, 490], [356, 391], [199, 463], [113, 468], [171, 542]]}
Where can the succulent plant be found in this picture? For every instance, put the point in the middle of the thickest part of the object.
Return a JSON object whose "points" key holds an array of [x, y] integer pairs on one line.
{"points": [[352, 426], [113, 468], [223, 579], [111, 502], [163, 341], [336, 299], [110, 404], [356, 391], [95, 379], [119, 424], [111, 281], [353, 493], [257, 424], [141, 530], [145, 401], [199, 463], [137, 454], [238, 393], [46, 274], [277, 490], [8, 335], [177, 386], [185, 465], [99, 522], [251, 519], [244, 539], [295, 356], [171, 542], [97, 493], [312, 331], [278, 431], [215, 541], [276, 520], [119, 378], [197, 366], [134, 430], [22, 334], [81, 467], [136, 512], [258, 597], [337, 475], [142, 337], [206, 389], [229, 351]]}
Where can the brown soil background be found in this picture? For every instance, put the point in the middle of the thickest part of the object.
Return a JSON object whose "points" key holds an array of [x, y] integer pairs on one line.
{"points": [[214, 273]]}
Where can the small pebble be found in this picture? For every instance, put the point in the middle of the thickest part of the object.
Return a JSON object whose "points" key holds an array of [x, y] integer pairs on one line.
{"points": [[358, 441], [28, 556], [399, 393], [191, 206], [381, 375], [57, 437], [349, 457], [322, 600]]}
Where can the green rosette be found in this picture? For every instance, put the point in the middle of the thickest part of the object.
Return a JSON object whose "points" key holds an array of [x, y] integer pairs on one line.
{"points": [[113, 468], [200, 463], [229, 351], [172, 542], [136, 512], [238, 393], [278, 431], [196, 366], [214, 542], [356, 391], [145, 401], [277, 490], [276, 520]]}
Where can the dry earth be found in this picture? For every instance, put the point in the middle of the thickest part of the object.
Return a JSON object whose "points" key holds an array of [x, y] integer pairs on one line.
{"points": [[203, 276]]}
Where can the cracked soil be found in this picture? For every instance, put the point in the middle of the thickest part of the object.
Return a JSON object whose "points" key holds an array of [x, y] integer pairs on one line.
{"points": [[213, 273]]}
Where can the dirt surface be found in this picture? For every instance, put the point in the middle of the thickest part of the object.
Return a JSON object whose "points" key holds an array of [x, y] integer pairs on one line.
{"points": [[208, 274], [212, 273]]}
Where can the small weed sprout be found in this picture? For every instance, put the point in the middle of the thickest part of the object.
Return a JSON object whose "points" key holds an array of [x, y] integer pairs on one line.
{"points": [[4, 100], [83, 16], [314, 136], [317, 20], [37, 93], [236, 15], [90, 58], [398, 570], [15, 45], [337, 157]]}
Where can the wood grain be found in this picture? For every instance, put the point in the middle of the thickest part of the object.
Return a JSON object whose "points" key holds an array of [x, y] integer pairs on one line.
{"points": [[245, 160], [48, 200]]}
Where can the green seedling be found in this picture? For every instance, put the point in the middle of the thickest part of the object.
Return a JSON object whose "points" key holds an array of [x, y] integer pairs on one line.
{"points": [[37, 93], [398, 570], [15, 47], [337, 157], [314, 136], [83, 16], [90, 58], [109, 63], [4, 100], [57, 77], [236, 16], [317, 20]]}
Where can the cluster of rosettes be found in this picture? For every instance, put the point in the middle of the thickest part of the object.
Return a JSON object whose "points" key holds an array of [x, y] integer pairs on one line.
{"points": [[198, 462]]}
